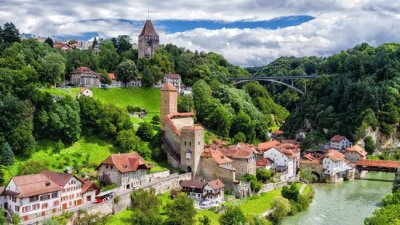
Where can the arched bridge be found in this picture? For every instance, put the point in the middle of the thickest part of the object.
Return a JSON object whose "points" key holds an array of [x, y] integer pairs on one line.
{"points": [[378, 165], [288, 81]]}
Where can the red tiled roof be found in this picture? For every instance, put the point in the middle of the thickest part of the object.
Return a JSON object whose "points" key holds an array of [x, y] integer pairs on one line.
{"points": [[278, 132], [267, 145], [87, 185], [358, 149], [168, 87], [172, 76], [60, 178], [216, 184], [306, 161], [378, 163], [84, 70], [148, 29], [111, 76], [60, 45], [335, 155], [263, 162], [193, 184], [337, 138], [168, 119], [218, 157], [127, 162], [237, 153], [34, 184]]}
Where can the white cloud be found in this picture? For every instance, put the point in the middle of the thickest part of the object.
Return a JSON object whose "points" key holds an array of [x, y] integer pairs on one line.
{"points": [[338, 25]]}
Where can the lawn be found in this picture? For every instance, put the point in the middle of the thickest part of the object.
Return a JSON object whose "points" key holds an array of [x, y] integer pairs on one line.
{"points": [[307, 190], [122, 218]]}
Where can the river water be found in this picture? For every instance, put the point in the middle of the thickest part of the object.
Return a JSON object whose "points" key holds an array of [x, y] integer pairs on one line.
{"points": [[347, 203]]}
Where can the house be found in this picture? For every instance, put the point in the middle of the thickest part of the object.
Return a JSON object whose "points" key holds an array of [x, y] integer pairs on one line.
{"points": [[137, 82], [174, 79], [71, 193], [264, 164], [355, 153], [33, 196], [243, 158], [334, 163], [89, 191], [339, 142], [85, 92], [285, 161], [200, 191], [84, 77], [265, 146], [127, 170]]}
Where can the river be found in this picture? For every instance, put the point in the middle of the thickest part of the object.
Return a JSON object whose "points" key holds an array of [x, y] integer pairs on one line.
{"points": [[346, 203]]}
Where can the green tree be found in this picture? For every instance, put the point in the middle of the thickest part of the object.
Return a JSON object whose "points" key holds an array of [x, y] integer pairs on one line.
{"points": [[370, 145], [205, 220], [148, 78], [10, 34], [181, 211], [128, 141], [281, 207], [185, 103], [264, 175], [145, 131], [33, 166], [3, 219], [396, 183], [306, 173], [126, 71], [108, 56], [155, 119], [233, 216], [7, 155], [146, 208], [49, 41], [221, 121], [290, 192], [85, 218], [15, 219], [240, 137], [54, 68], [122, 43]]}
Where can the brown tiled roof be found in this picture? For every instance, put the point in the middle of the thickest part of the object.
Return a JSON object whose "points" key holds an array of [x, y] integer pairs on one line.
{"points": [[87, 184], [236, 153], [216, 184], [193, 184], [278, 132], [168, 87], [172, 76], [111, 76], [335, 155], [34, 184], [127, 162], [60, 45], [218, 157], [290, 141], [84, 70], [263, 162], [337, 138], [267, 145], [378, 163], [358, 149], [59, 178], [148, 29]]}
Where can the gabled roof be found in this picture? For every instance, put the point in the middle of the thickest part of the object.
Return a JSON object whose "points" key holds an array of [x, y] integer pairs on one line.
{"points": [[127, 162], [267, 145], [357, 149], [335, 155], [287, 152], [87, 184], [216, 184], [34, 184], [193, 184], [263, 162], [218, 157], [239, 151], [168, 87], [84, 70], [148, 29], [337, 138], [59, 178], [111, 76], [172, 76]]}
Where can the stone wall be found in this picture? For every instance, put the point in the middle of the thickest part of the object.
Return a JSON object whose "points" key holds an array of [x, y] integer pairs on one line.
{"points": [[210, 171], [180, 122]]}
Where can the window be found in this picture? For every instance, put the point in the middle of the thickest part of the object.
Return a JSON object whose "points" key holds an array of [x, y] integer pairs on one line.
{"points": [[35, 206], [44, 197], [17, 208], [45, 205], [33, 198], [54, 195], [14, 199], [56, 203]]}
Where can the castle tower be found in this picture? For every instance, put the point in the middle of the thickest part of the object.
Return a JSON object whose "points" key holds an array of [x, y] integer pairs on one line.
{"points": [[192, 146], [148, 41], [169, 102]]}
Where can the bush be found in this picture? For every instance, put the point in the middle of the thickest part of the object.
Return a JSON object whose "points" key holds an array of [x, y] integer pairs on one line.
{"points": [[145, 131], [370, 145], [255, 185], [133, 109], [306, 173], [265, 175], [155, 119], [281, 208]]}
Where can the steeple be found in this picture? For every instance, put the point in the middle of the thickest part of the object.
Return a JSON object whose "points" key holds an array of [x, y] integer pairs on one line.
{"points": [[148, 40], [148, 29]]}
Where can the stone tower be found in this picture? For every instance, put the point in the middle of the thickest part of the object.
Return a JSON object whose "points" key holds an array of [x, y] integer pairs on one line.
{"points": [[148, 41], [169, 102], [192, 145]]}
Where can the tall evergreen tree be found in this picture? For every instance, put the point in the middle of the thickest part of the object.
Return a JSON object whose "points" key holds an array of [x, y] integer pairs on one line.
{"points": [[49, 41], [7, 155], [10, 34]]}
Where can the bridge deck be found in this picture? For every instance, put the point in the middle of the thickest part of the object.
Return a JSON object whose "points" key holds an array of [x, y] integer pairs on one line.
{"points": [[278, 77]]}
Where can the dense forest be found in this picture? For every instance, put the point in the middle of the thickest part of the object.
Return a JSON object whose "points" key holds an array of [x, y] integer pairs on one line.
{"points": [[363, 93]]}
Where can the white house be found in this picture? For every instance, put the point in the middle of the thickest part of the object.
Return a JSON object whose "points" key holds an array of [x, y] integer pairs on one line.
{"points": [[32, 196], [126, 170], [200, 191], [71, 194], [334, 163], [85, 92], [340, 142], [174, 79], [284, 160], [355, 153]]}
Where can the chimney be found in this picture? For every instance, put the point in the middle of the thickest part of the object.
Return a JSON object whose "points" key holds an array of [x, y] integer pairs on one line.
{"points": [[47, 183]]}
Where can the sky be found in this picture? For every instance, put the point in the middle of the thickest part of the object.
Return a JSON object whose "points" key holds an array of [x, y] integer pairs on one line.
{"points": [[246, 32]]}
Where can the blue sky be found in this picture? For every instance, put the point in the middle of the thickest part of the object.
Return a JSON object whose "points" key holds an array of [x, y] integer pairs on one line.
{"points": [[246, 32]]}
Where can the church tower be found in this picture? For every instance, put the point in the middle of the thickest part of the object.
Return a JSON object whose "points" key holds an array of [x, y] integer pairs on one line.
{"points": [[169, 102], [148, 41]]}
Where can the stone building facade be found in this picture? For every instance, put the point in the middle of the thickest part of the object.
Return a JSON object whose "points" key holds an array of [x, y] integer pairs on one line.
{"points": [[148, 41], [84, 77]]}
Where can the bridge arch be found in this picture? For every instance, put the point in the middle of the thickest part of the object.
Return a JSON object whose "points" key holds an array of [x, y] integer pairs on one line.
{"points": [[274, 81]]}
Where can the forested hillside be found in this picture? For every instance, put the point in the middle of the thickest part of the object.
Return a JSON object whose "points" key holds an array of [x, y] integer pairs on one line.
{"points": [[364, 93]]}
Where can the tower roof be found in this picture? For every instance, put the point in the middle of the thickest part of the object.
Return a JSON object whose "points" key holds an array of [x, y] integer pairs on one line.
{"points": [[168, 87], [148, 29]]}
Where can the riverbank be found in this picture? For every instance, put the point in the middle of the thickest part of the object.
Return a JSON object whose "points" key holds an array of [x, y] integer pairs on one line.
{"points": [[346, 203]]}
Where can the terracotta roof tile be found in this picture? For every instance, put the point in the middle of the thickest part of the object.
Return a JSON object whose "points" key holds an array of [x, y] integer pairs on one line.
{"points": [[267, 145], [87, 185], [337, 138], [127, 162], [193, 184], [335, 155], [34, 184], [216, 184], [218, 157], [60, 178], [378, 163], [84, 70], [358, 149], [263, 162], [168, 87]]}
